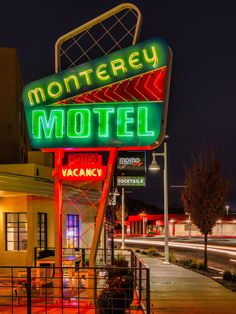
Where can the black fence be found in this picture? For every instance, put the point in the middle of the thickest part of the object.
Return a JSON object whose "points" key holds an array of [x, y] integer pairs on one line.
{"points": [[123, 287]]}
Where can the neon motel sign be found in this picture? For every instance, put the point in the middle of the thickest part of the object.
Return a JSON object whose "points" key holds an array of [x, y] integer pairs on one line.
{"points": [[56, 121]]}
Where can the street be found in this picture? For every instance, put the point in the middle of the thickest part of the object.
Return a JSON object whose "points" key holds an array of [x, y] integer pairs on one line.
{"points": [[221, 252]]}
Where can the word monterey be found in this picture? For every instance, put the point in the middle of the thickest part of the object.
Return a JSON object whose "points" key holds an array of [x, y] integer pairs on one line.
{"points": [[102, 71]]}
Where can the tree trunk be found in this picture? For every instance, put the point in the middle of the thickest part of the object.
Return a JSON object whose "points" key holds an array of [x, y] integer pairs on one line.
{"points": [[205, 251]]}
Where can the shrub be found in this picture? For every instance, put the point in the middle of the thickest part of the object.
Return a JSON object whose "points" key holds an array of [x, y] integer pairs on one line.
{"points": [[227, 275], [234, 277], [118, 289], [194, 264], [143, 252], [187, 262], [119, 268], [120, 261], [137, 251], [151, 234], [111, 301], [191, 263], [152, 252], [201, 266], [172, 257]]}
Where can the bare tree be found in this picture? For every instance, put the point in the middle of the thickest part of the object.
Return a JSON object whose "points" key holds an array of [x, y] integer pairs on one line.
{"points": [[204, 194]]}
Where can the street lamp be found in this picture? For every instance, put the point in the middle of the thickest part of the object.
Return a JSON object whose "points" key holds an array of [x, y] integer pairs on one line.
{"points": [[116, 192], [123, 218], [227, 209], [154, 166], [110, 216]]}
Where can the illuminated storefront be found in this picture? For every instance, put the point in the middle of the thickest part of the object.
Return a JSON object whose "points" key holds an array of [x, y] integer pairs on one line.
{"points": [[27, 214], [179, 225]]}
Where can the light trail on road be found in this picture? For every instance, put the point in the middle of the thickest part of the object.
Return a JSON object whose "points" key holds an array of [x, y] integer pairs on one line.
{"points": [[210, 248]]}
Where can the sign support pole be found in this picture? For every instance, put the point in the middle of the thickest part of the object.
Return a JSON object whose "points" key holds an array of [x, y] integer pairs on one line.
{"points": [[58, 208], [101, 210], [58, 155], [99, 223], [123, 219]]}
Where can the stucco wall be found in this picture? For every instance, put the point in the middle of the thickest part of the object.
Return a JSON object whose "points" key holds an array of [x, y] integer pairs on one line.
{"points": [[11, 204], [30, 205]]}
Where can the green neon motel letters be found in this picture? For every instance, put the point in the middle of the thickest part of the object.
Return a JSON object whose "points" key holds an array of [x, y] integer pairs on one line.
{"points": [[95, 125], [143, 122], [103, 128], [123, 120], [78, 123], [47, 127]]}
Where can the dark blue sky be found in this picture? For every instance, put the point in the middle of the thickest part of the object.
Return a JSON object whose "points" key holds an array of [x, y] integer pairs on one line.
{"points": [[202, 100]]}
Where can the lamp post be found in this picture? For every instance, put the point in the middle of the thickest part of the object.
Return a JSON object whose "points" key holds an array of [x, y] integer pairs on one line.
{"points": [[117, 193], [144, 218], [123, 219], [227, 209], [111, 204], [154, 166]]}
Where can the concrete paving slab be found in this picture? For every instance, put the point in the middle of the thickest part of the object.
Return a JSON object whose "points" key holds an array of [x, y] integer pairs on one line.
{"points": [[175, 289]]}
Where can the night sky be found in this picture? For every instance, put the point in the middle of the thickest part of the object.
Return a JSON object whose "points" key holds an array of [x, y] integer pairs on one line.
{"points": [[201, 34]]}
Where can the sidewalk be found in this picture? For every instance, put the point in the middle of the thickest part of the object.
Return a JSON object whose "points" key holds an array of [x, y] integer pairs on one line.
{"points": [[177, 290]]}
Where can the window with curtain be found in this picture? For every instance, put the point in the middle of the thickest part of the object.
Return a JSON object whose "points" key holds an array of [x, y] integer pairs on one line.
{"points": [[72, 231], [16, 231], [42, 230]]}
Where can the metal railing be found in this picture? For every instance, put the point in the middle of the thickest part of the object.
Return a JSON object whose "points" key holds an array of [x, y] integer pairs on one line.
{"points": [[120, 288], [104, 256]]}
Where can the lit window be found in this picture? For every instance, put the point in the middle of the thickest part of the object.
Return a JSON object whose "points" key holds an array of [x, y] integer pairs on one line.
{"points": [[16, 231], [42, 230], [72, 231]]}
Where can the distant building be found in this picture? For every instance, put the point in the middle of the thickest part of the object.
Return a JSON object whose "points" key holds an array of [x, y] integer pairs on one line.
{"points": [[179, 225], [13, 135]]}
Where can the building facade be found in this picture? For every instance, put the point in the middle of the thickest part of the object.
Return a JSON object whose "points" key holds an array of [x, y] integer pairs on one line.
{"points": [[179, 225], [27, 213], [13, 136]]}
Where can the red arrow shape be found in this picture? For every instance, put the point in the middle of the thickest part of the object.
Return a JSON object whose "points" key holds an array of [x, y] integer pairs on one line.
{"points": [[121, 90], [155, 84], [133, 90], [112, 92], [146, 87]]}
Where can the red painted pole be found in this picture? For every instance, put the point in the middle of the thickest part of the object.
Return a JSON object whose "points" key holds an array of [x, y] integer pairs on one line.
{"points": [[58, 207], [102, 205], [58, 155]]}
